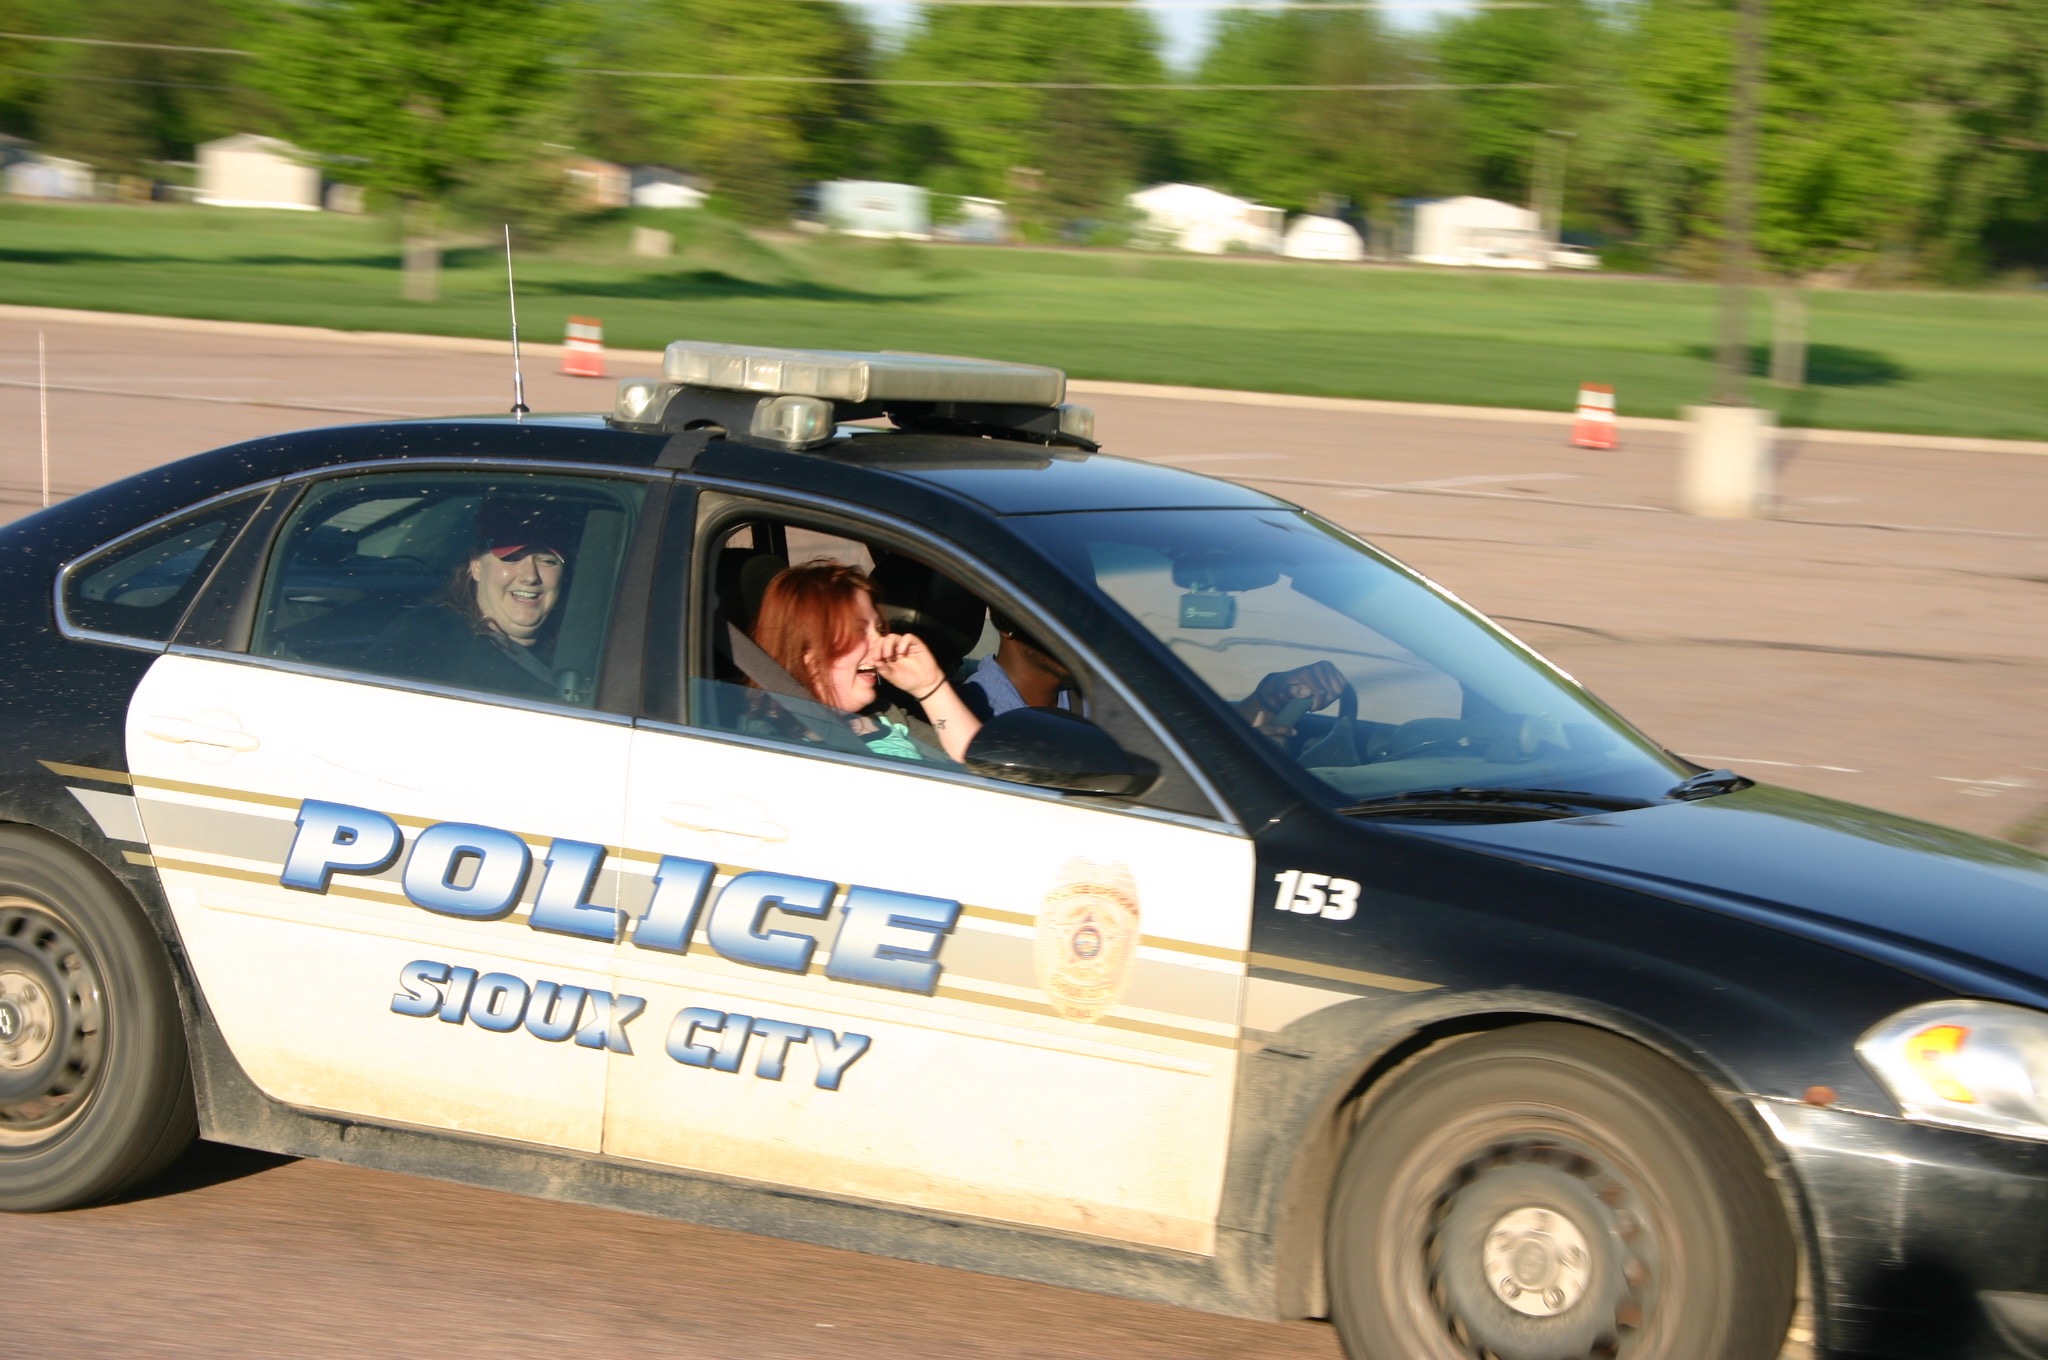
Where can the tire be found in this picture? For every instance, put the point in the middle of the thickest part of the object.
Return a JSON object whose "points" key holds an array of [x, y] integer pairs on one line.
{"points": [[1552, 1192], [95, 1084]]}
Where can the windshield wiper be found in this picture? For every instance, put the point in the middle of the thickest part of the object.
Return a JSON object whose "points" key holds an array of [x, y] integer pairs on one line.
{"points": [[1708, 784], [1559, 802]]}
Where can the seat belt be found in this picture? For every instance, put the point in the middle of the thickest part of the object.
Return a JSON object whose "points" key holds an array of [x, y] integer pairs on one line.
{"points": [[765, 672]]}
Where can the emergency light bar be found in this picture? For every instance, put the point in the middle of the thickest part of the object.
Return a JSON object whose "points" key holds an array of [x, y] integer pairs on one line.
{"points": [[839, 375], [796, 398]]}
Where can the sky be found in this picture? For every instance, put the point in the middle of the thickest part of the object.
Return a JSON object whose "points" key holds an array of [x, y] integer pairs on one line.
{"points": [[1186, 27]]}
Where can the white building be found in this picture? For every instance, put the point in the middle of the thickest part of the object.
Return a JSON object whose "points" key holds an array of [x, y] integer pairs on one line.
{"points": [[861, 207], [1321, 238], [39, 176], [1473, 231], [1208, 222], [979, 221], [656, 187], [250, 171]]}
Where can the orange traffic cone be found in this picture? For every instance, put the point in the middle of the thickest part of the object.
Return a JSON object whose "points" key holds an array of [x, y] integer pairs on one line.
{"points": [[583, 348], [1594, 427]]}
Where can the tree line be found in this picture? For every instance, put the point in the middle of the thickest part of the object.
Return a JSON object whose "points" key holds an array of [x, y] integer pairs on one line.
{"points": [[1901, 139]]}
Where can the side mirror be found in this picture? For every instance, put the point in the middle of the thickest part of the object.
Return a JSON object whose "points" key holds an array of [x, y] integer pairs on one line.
{"points": [[1055, 749]]}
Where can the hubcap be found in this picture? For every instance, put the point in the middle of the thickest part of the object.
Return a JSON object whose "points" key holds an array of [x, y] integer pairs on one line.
{"points": [[1537, 1262], [52, 1023]]}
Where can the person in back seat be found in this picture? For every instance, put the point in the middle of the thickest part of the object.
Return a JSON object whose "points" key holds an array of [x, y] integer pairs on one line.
{"points": [[492, 630], [819, 623]]}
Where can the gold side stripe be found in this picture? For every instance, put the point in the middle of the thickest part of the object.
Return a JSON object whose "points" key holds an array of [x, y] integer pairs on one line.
{"points": [[697, 946], [143, 781], [1018, 918], [619, 852], [58, 767], [137, 857], [1305, 968], [1107, 1022]]}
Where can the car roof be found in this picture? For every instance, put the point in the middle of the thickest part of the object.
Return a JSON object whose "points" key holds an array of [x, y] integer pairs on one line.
{"points": [[1013, 477], [916, 473]]}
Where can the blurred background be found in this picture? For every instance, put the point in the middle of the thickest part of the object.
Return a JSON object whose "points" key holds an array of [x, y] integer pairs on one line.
{"points": [[1467, 202]]}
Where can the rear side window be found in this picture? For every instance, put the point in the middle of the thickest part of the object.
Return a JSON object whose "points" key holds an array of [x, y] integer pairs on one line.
{"points": [[499, 582], [140, 586]]}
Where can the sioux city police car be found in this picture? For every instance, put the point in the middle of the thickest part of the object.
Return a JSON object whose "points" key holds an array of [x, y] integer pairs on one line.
{"points": [[414, 795]]}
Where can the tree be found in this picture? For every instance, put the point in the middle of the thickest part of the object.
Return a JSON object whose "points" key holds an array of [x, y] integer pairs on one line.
{"points": [[1983, 80], [1845, 169], [755, 140], [1566, 52], [1075, 152], [1297, 149], [130, 98], [418, 97]]}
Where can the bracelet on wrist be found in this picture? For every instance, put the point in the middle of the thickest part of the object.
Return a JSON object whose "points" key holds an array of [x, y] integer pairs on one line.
{"points": [[933, 690]]}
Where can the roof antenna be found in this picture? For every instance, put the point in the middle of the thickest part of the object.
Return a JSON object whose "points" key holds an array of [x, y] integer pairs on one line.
{"points": [[519, 407], [43, 410]]}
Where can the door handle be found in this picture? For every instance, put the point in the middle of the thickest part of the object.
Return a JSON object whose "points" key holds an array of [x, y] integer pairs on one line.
{"points": [[734, 820], [184, 730]]}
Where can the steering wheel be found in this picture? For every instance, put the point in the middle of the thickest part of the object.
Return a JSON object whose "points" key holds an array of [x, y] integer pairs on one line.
{"points": [[1338, 746]]}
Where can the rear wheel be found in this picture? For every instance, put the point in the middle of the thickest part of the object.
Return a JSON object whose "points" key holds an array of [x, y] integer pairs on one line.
{"points": [[1552, 1192], [95, 1090]]}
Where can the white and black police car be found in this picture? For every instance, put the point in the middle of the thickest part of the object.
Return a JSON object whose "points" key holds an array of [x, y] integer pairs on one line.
{"points": [[1326, 952]]}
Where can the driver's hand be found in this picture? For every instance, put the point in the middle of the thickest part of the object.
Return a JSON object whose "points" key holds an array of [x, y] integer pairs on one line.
{"points": [[1304, 689]]}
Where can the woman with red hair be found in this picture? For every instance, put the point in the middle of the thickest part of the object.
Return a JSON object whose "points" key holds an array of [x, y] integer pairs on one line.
{"points": [[818, 622]]}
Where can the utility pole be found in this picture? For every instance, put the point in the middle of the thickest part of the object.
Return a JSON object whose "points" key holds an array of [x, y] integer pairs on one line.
{"points": [[1549, 195], [1732, 380], [1726, 470]]}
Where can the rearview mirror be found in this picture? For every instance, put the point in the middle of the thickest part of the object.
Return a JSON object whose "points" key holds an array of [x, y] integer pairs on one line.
{"points": [[1055, 749]]}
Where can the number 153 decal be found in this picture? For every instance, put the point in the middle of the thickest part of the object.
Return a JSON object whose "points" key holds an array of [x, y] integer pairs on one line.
{"points": [[1333, 899]]}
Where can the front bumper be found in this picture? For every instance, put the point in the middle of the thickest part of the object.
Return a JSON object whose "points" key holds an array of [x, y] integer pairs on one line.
{"points": [[1932, 1242]]}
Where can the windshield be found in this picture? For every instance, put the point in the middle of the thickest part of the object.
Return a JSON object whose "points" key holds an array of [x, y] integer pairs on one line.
{"points": [[1370, 679]]}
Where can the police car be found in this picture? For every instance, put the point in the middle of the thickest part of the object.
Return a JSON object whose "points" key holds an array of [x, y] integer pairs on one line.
{"points": [[417, 795]]}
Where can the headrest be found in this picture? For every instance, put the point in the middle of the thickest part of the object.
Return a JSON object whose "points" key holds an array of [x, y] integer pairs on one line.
{"points": [[743, 575], [917, 599]]}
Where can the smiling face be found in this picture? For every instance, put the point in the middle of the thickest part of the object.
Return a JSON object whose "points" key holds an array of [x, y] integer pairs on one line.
{"points": [[847, 681], [515, 595]]}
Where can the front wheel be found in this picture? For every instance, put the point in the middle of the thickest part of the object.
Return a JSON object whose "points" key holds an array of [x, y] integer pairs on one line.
{"points": [[1551, 1192], [95, 1090]]}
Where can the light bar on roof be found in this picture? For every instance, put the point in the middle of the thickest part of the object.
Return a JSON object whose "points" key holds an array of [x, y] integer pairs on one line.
{"points": [[839, 375]]}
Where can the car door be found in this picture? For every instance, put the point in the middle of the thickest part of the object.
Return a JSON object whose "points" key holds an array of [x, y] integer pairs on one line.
{"points": [[909, 984], [383, 837]]}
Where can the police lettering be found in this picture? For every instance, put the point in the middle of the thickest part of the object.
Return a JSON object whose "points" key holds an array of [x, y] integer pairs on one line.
{"points": [[718, 1040], [502, 1003], [479, 873]]}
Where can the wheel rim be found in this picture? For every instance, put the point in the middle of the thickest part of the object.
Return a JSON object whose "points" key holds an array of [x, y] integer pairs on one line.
{"points": [[1537, 1261], [52, 1024], [1526, 1242]]}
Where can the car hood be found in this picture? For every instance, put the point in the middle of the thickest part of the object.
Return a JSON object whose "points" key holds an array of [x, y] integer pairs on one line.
{"points": [[1962, 909]]}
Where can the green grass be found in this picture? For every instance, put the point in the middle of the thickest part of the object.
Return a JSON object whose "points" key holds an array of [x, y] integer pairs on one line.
{"points": [[1925, 362]]}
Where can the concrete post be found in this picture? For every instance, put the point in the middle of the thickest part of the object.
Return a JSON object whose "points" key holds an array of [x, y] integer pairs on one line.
{"points": [[1727, 469]]}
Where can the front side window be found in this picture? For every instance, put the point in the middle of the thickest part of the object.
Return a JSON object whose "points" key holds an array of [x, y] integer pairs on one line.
{"points": [[141, 586], [1369, 678], [502, 583], [808, 645]]}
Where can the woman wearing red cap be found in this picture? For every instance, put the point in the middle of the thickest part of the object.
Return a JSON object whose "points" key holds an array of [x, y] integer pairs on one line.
{"points": [[492, 629]]}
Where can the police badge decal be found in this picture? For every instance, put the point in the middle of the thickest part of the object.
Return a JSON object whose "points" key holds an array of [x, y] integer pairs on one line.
{"points": [[1087, 932]]}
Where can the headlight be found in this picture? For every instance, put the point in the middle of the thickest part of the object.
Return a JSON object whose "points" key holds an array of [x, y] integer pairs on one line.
{"points": [[1975, 1064]]}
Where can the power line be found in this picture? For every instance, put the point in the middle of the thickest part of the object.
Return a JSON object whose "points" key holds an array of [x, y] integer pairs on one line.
{"points": [[115, 80], [138, 46], [1443, 6], [1176, 86]]}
